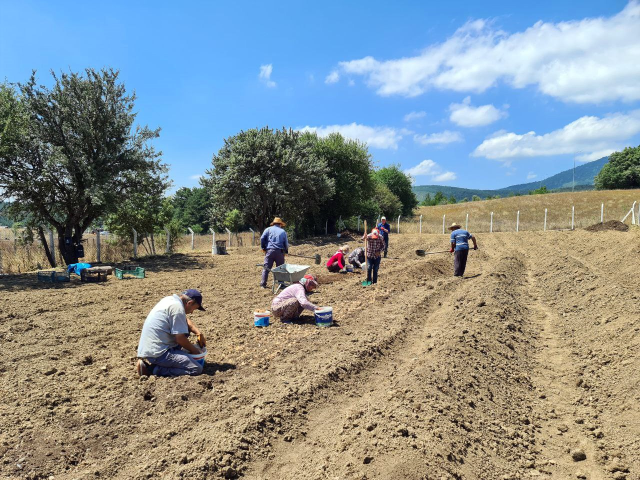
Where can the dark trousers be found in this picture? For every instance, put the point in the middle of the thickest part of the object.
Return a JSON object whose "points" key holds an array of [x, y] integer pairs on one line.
{"points": [[334, 267], [373, 264], [272, 256], [459, 262], [386, 245]]}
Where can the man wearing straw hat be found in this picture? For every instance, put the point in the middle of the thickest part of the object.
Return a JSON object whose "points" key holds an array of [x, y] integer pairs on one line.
{"points": [[275, 244], [460, 248]]}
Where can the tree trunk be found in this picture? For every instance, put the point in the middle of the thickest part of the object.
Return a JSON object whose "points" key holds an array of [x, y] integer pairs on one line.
{"points": [[153, 245], [66, 246], [47, 251]]}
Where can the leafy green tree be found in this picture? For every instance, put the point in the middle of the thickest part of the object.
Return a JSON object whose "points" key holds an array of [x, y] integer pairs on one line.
{"points": [[475, 198], [233, 220], [349, 166], [145, 210], [70, 154], [439, 198], [452, 200], [426, 201], [622, 170], [400, 185], [266, 173], [464, 200], [191, 208], [539, 191], [387, 202]]}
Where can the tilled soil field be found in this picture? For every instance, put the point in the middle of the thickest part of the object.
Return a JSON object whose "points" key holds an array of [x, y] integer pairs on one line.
{"points": [[528, 367]]}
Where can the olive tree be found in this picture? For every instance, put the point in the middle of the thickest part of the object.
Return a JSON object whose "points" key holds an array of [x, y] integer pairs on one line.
{"points": [[622, 170], [70, 154]]}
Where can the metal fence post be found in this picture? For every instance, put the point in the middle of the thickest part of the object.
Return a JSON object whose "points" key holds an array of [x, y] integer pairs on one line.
{"points": [[358, 223], [466, 224], [135, 243], [518, 222], [253, 238], [602, 213], [98, 245], [545, 219], [443, 217], [326, 227], [399, 223], [168, 249], [573, 215], [192, 239], [229, 232], [491, 224], [420, 224], [213, 241]]}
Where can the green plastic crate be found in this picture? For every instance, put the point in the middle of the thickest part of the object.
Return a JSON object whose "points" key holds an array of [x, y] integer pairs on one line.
{"points": [[137, 272]]}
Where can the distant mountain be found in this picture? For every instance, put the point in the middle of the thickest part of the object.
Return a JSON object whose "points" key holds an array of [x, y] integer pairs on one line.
{"points": [[562, 181]]}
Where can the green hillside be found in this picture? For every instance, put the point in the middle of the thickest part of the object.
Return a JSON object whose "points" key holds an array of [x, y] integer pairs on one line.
{"points": [[562, 181]]}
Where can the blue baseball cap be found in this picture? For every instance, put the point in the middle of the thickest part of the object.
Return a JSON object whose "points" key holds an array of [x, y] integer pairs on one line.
{"points": [[196, 296]]}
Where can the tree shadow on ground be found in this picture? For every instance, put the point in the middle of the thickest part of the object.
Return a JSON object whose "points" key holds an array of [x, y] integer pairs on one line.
{"points": [[169, 263], [325, 240], [29, 281]]}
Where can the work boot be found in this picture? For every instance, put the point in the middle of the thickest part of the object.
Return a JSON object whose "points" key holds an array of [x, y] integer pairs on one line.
{"points": [[142, 369]]}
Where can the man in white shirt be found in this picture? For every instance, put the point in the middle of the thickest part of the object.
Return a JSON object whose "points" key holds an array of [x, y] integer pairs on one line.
{"points": [[164, 342]]}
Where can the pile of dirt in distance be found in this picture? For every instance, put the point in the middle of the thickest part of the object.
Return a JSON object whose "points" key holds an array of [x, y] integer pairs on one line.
{"points": [[610, 225]]}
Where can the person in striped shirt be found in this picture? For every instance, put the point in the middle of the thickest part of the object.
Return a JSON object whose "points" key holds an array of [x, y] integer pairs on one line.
{"points": [[375, 247]]}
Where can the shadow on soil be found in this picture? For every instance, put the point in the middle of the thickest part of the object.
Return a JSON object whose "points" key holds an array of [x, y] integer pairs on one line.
{"points": [[213, 368]]}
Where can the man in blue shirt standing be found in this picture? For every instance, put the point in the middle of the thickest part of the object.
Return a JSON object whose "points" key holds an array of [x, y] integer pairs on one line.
{"points": [[275, 244], [385, 229], [460, 248]]}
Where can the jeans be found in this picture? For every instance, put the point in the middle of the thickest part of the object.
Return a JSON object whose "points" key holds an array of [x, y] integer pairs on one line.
{"points": [[271, 257], [174, 363], [373, 264]]}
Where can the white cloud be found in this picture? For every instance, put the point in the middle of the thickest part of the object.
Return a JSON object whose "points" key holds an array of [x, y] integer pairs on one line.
{"points": [[196, 177], [590, 137], [333, 77], [531, 176], [429, 168], [590, 157], [445, 177], [441, 138], [378, 137], [265, 75], [410, 117], [464, 115], [581, 61]]}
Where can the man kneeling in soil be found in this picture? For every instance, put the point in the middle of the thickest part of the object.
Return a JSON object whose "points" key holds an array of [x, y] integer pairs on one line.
{"points": [[164, 345], [293, 299]]}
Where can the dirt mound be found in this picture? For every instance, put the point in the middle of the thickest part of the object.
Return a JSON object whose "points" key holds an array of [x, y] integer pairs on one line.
{"points": [[525, 368], [609, 225]]}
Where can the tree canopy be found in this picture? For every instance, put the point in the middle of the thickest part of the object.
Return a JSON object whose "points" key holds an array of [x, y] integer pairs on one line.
{"points": [[69, 154], [266, 173], [400, 185], [622, 170]]}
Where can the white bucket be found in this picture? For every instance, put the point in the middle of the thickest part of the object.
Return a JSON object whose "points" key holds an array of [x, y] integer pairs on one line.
{"points": [[261, 319], [324, 316]]}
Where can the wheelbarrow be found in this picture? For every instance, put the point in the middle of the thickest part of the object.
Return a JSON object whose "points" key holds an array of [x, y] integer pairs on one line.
{"points": [[286, 274]]}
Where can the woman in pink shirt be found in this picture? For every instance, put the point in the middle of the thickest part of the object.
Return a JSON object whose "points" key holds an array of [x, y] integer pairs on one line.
{"points": [[338, 261], [293, 299]]}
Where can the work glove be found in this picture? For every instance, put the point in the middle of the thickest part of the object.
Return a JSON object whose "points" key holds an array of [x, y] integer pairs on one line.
{"points": [[451, 251], [201, 340]]}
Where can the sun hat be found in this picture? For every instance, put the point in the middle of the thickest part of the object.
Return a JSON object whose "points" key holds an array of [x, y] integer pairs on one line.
{"points": [[383, 218], [455, 226], [278, 220], [196, 296]]}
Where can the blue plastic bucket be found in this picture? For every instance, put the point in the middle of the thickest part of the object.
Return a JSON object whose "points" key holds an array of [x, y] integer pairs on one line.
{"points": [[198, 357], [324, 316], [261, 319]]}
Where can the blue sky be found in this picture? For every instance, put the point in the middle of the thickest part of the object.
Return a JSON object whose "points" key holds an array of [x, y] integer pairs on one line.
{"points": [[470, 94]]}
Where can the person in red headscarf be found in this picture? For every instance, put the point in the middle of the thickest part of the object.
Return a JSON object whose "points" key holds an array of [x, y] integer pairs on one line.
{"points": [[291, 302]]}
